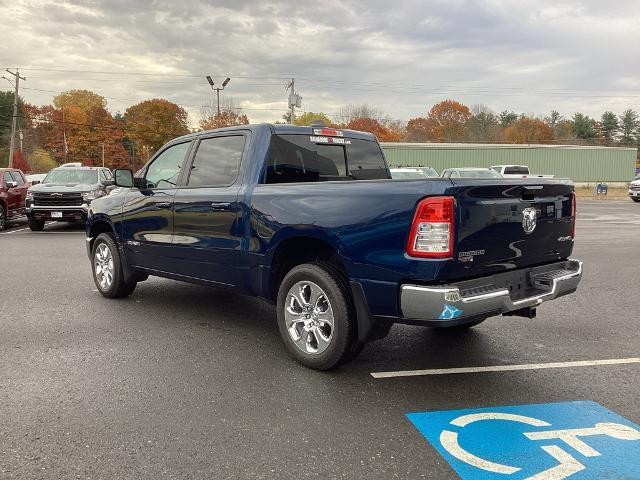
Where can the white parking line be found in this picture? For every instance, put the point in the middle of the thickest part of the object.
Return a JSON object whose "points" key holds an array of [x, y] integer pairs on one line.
{"points": [[504, 368], [27, 228]]}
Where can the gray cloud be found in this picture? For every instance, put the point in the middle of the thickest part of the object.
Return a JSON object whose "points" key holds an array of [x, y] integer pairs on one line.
{"points": [[530, 55]]}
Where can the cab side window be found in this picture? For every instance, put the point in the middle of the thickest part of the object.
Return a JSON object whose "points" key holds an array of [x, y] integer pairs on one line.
{"points": [[165, 169], [217, 161], [17, 177], [7, 178]]}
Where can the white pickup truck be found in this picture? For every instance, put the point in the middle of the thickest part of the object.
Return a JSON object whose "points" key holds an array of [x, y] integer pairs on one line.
{"points": [[517, 171]]}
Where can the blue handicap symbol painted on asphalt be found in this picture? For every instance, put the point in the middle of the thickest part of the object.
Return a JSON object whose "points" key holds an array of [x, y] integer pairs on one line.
{"points": [[548, 441]]}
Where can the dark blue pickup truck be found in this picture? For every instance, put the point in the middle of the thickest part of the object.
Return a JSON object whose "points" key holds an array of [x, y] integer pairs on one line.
{"points": [[309, 219]]}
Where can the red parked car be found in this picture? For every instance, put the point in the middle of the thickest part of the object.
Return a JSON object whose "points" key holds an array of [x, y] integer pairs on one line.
{"points": [[13, 191]]}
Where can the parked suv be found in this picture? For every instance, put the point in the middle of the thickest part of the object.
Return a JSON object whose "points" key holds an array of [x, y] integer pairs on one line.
{"points": [[65, 194], [13, 190]]}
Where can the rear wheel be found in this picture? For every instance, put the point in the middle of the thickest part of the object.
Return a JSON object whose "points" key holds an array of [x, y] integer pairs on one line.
{"points": [[3, 218], [107, 268], [316, 319], [36, 225]]}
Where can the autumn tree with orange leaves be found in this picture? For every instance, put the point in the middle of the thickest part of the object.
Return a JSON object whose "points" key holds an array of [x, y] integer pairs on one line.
{"points": [[226, 118], [417, 130], [371, 125], [528, 130], [152, 123], [447, 121]]}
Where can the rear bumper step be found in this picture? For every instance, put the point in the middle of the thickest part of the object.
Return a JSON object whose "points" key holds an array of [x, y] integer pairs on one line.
{"points": [[464, 302]]}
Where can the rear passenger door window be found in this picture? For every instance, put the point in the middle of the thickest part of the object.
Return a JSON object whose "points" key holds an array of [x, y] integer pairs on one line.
{"points": [[216, 162]]}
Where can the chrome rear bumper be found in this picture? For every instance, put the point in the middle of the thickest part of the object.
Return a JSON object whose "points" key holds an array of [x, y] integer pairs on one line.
{"points": [[467, 301]]}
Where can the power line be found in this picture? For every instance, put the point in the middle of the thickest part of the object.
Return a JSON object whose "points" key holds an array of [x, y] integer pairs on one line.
{"points": [[139, 101], [165, 74]]}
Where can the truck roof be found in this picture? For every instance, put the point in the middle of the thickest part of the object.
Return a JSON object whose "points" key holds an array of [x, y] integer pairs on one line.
{"points": [[282, 129]]}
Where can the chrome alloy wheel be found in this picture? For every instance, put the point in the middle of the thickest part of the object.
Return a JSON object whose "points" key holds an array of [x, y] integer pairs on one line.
{"points": [[309, 317], [103, 266]]}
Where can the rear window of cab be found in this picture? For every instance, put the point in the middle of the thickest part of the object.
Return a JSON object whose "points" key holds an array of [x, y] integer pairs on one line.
{"points": [[309, 158]]}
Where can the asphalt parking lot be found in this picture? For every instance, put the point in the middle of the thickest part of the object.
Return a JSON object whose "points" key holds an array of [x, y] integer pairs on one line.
{"points": [[180, 381]]}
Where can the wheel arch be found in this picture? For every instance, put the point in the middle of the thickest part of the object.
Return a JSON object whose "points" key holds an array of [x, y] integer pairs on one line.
{"points": [[99, 226], [296, 247]]}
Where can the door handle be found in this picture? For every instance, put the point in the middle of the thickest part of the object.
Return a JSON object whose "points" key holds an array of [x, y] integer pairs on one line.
{"points": [[220, 206], [164, 205]]}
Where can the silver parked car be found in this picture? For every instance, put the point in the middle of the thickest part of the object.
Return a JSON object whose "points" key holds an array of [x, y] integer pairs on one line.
{"points": [[413, 173], [470, 172], [634, 189]]}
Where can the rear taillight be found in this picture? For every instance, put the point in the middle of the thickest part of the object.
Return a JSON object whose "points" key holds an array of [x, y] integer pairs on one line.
{"points": [[431, 234], [573, 214]]}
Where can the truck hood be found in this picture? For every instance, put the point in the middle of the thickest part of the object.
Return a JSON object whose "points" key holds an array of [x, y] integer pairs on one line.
{"points": [[63, 188]]}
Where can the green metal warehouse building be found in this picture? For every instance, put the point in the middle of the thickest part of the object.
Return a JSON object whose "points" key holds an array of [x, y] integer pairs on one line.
{"points": [[579, 163]]}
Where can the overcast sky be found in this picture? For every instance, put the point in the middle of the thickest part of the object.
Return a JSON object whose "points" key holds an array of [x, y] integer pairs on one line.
{"points": [[402, 56]]}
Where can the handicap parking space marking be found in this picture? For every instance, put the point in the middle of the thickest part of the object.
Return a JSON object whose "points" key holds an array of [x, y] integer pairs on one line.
{"points": [[548, 441]]}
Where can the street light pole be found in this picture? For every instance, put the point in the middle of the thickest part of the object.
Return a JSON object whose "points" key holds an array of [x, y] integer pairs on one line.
{"points": [[217, 89], [14, 123]]}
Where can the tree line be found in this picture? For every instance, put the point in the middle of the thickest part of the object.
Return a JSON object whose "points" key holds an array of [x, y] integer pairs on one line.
{"points": [[77, 127]]}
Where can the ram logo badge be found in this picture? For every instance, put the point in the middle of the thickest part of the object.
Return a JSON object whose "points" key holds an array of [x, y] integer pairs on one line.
{"points": [[529, 218], [452, 296]]}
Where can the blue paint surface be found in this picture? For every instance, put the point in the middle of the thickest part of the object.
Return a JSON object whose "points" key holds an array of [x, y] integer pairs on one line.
{"points": [[503, 441], [450, 312]]}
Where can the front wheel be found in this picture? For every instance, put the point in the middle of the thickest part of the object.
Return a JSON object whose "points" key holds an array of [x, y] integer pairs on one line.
{"points": [[107, 268], [635, 199], [3, 218], [315, 316], [36, 225]]}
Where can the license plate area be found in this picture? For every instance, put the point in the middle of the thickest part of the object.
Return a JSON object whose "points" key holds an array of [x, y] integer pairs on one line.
{"points": [[56, 214]]}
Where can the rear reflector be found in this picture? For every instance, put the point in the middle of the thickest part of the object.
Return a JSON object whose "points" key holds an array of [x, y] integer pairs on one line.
{"points": [[431, 234]]}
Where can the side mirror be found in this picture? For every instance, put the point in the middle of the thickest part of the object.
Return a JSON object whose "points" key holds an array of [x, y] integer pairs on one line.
{"points": [[123, 177], [35, 182], [11, 184]]}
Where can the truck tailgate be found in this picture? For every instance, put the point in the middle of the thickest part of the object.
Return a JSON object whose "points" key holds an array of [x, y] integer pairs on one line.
{"points": [[504, 224]]}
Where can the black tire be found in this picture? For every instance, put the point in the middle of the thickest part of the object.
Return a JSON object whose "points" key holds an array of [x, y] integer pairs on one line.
{"points": [[36, 225], [341, 345], [636, 199], [3, 218], [118, 287]]}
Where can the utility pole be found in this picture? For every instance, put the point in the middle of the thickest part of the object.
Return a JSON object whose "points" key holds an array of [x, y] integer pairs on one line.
{"points": [[14, 123], [217, 89], [295, 100], [292, 116], [102, 144]]}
